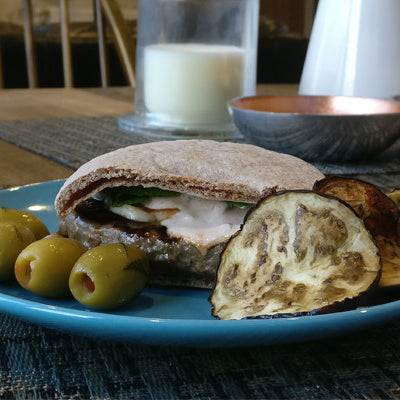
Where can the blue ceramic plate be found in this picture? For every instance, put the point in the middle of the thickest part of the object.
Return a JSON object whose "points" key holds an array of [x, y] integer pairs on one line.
{"points": [[165, 316]]}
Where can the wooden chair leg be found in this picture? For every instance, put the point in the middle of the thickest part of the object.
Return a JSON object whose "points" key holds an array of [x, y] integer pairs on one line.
{"points": [[101, 33], [105, 11], [120, 30], [66, 44], [29, 45]]}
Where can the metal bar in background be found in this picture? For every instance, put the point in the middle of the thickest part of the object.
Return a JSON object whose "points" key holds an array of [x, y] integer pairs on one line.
{"points": [[29, 45]]}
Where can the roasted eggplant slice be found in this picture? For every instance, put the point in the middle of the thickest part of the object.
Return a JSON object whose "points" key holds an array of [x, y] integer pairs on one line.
{"points": [[380, 214], [297, 253], [378, 211], [389, 249], [395, 196]]}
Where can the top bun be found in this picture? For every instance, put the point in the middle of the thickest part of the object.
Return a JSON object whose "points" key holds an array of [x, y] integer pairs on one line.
{"points": [[206, 168]]}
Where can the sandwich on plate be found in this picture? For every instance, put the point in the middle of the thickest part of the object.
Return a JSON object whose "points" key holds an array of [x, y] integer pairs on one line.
{"points": [[179, 201]]}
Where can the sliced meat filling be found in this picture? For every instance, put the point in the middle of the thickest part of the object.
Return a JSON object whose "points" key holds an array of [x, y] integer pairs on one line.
{"points": [[93, 224]]}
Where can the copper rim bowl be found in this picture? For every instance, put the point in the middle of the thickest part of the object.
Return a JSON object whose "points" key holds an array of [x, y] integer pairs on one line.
{"points": [[319, 128]]}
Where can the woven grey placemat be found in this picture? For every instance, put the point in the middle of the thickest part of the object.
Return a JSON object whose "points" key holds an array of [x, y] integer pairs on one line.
{"points": [[37, 363], [69, 141], [73, 141]]}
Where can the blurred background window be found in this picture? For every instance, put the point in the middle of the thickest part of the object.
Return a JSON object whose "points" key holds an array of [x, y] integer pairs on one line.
{"points": [[285, 27]]}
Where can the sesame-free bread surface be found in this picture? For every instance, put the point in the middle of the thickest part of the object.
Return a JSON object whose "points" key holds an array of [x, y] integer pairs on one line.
{"points": [[206, 168]]}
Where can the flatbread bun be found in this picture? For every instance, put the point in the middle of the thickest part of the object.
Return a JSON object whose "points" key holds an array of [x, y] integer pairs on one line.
{"points": [[205, 168]]}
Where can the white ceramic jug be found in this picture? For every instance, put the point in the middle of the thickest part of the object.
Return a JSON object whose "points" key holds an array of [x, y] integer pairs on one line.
{"points": [[354, 49]]}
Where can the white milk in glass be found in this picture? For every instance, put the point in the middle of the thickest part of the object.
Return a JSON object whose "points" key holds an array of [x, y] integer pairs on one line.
{"points": [[190, 83]]}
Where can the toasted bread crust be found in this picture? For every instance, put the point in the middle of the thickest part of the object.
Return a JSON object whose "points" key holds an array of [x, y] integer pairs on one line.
{"points": [[206, 168]]}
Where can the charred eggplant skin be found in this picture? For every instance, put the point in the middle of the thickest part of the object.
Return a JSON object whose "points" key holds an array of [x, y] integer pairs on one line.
{"points": [[369, 297], [343, 303], [381, 215], [379, 212]]}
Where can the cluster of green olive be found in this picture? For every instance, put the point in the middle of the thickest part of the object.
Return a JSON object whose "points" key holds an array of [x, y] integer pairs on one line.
{"points": [[104, 277]]}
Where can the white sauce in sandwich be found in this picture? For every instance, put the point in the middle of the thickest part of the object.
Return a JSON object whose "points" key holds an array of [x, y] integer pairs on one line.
{"points": [[201, 222]]}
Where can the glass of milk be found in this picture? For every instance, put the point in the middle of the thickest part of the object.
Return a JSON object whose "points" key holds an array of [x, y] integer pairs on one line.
{"points": [[192, 57]]}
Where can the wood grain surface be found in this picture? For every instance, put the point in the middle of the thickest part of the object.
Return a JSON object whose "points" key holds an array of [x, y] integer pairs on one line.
{"points": [[21, 167]]}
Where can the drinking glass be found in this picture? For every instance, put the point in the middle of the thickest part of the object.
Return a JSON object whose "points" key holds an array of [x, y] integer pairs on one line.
{"points": [[192, 56]]}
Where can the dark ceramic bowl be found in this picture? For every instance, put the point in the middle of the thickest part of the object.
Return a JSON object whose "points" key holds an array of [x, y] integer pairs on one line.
{"points": [[318, 128]]}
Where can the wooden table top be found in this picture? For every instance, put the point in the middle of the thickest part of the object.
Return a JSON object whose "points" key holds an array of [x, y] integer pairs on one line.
{"points": [[21, 167]]}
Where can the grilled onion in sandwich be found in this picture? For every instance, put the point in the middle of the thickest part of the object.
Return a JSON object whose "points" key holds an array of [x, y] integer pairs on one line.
{"points": [[179, 201]]}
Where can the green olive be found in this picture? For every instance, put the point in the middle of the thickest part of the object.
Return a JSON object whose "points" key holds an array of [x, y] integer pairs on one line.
{"points": [[38, 228], [14, 237], [44, 266], [108, 276]]}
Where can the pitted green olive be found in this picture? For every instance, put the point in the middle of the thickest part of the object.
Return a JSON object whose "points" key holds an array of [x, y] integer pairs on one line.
{"points": [[14, 237], [44, 266], [108, 276], [38, 228]]}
